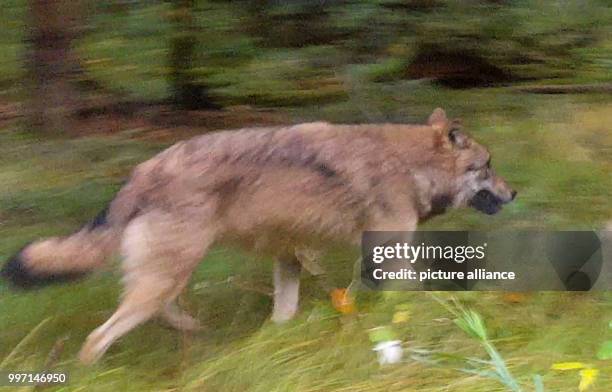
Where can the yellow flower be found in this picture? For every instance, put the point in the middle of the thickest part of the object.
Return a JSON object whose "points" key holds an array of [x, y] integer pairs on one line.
{"points": [[400, 316], [568, 366], [587, 378]]}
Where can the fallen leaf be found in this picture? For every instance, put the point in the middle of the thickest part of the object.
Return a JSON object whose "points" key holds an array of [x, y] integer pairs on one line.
{"points": [[515, 298], [342, 301]]}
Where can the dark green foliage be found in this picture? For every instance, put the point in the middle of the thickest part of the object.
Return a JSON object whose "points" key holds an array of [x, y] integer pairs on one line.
{"points": [[288, 53]]}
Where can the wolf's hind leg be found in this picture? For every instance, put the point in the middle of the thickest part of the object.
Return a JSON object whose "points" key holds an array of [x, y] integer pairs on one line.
{"points": [[171, 313], [309, 259], [160, 252], [174, 316], [286, 288], [139, 304]]}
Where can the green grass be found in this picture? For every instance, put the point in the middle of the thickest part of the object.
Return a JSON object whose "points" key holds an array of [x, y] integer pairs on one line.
{"points": [[555, 150]]}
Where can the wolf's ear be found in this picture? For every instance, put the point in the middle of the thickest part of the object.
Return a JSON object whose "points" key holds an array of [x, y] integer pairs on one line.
{"points": [[438, 119]]}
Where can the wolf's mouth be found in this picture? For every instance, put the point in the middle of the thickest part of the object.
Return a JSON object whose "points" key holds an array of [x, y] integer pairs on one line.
{"points": [[485, 201]]}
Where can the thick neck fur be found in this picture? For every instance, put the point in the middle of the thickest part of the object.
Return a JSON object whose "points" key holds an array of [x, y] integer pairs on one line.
{"points": [[426, 152], [434, 196]]}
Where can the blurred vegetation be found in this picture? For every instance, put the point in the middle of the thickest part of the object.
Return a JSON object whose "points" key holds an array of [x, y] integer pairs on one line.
{"points": [[290, 52], [341, 61]]}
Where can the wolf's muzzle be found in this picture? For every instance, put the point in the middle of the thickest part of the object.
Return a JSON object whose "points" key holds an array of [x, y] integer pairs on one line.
{"points": [[485, 201]]}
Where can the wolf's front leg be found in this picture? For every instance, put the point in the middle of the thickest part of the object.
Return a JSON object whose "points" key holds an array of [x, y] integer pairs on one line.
{"points": [[287, 271]]}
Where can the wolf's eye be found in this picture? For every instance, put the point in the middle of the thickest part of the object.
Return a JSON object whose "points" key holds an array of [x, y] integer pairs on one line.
{"points": [[458, 138]]}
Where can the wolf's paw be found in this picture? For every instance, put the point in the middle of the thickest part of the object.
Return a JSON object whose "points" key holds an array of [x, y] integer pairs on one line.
{"points": [[91, 352], [281, 317], [180, 320]]}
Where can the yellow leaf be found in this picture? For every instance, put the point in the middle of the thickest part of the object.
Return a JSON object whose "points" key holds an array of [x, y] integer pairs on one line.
{"points": [[568, 366], [587, 378], [342, 301], [400, 317], [515, 298]]}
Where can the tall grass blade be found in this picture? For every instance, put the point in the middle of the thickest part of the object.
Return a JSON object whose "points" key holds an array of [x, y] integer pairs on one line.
{"points": [[23, 342]]}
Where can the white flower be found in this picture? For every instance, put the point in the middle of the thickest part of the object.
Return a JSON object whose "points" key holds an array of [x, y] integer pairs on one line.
{"points": [[389, 352]]}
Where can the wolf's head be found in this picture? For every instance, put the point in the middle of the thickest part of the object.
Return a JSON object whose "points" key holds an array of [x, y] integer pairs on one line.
{"points": [[474, 182]]}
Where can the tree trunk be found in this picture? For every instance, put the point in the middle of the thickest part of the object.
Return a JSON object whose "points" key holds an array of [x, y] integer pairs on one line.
{"points": [[187, 91], [52, 65]]}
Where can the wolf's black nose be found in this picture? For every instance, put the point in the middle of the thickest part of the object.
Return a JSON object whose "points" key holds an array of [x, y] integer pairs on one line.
{"points": [[514, 194]]}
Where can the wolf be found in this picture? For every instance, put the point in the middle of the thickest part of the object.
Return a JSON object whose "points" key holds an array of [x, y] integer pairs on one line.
{"points": [[274, 190]]}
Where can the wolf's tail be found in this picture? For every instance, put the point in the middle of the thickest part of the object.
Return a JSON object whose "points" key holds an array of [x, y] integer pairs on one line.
{"points": [[61, 259]]}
